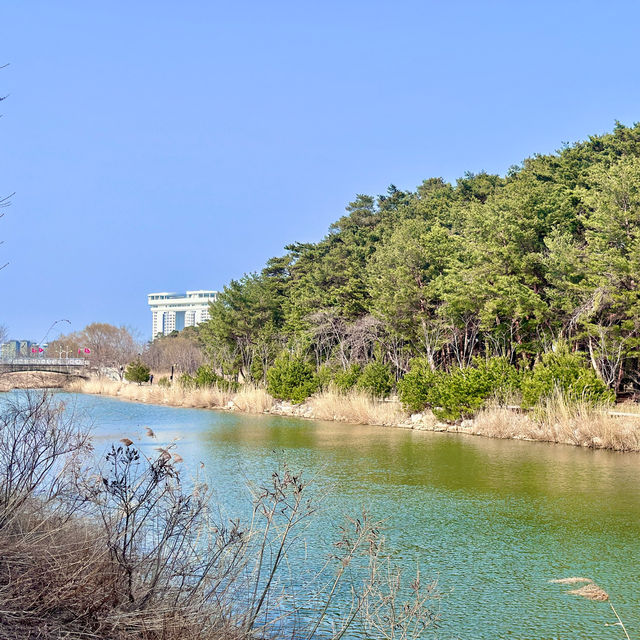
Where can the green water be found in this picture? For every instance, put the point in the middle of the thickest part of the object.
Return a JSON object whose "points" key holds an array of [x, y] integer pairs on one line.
{"points": [[493, 520]]}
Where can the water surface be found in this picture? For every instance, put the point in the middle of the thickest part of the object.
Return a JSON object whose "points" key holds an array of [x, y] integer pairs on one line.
{"points": [[493, 520]]}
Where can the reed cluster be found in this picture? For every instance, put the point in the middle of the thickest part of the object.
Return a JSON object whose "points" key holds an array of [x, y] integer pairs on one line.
{"points": [[248, 399], [355, 407], [559, 421]]}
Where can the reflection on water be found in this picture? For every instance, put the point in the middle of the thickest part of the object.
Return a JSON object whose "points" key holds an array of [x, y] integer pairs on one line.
{"points": [[493, 520]]}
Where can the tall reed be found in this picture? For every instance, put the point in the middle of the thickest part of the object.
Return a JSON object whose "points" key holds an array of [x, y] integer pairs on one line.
{"points": [[355, 407]]}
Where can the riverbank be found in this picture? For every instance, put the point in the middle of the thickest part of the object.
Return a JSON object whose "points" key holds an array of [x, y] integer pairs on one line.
{"points": [[33, 380], [581, 425]]}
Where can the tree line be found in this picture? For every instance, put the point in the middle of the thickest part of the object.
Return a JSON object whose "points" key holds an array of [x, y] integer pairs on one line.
{"points": [[489, 266]]}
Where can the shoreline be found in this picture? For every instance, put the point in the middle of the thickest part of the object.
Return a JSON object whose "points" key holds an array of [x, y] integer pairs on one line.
{"points": [[581, 426]]}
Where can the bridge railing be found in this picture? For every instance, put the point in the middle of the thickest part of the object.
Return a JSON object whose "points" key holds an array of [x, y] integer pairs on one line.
{"points": [[65, 362]]}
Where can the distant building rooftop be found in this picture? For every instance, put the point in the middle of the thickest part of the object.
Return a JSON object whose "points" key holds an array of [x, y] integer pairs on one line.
{"points": [[174, 311]]}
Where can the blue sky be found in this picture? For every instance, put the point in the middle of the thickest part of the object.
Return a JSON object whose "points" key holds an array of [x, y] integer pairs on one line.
{"points": [[164, 146]]}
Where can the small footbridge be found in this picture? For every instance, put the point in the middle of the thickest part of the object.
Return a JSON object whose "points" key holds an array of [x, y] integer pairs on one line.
{"points": [[68, 366]]}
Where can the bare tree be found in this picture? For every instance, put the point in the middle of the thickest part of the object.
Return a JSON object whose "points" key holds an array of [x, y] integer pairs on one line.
{"points": [[108, 347], [181, 352]]}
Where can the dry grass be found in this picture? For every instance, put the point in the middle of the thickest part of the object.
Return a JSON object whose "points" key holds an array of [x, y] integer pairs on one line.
{"points": [[248, 399], [252, 400], [557, 421], [176, 395], [32, 380], [356, 408], [353, 407]]}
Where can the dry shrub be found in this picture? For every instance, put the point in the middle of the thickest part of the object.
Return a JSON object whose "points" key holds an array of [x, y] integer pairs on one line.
{"points": [[355, 407], [587, 425], [500, 422]]}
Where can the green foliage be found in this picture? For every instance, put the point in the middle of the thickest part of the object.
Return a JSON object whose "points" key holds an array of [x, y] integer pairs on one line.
{"points": [[464, 391], [414, 388], [461, 392], [376, 380], [291, 378], [137, 371], [324, 377], [206, 377], [257, 371], [186, 381], [344, 381], [565, 373], [164, 382]]}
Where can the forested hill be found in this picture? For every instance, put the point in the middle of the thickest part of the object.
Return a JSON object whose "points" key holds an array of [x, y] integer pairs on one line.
{"points": [[489, 265]]}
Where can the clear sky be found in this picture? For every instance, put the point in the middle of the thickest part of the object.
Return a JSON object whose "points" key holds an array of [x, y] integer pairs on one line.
{"points": [[165, 146]]}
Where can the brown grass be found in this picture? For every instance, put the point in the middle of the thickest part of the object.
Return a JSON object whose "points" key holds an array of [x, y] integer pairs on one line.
{"points": [[252, 400], [32, 380], [557, 421], [176, 395], [353, 407], [356, 408]]}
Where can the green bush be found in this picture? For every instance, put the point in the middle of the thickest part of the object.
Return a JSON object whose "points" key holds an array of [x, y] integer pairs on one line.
{"points": [[376, 380], [205, 376], [164, 382], [461, 392], [291, 378], [137, 371], [565, 373], [464, 391], [257, 371], [415, 386], [186, 381], [324, 377], [344, 381]]}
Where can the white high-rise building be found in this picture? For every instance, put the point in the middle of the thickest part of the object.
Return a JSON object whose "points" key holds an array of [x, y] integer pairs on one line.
{"points": [[175, 311]]}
